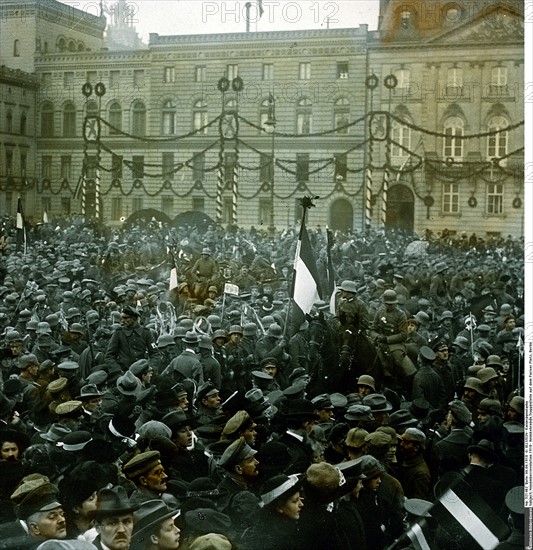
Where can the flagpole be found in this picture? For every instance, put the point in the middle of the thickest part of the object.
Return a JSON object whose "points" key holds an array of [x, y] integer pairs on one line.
{"points": [[306, 203]]}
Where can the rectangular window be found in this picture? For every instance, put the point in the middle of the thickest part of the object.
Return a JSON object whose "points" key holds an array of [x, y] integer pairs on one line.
{"points": [[305, 71], [116, 167], [66, 167], [167, 205], [453, 144], [265, 211], [46, 166], [169, 74], [230, 162], [303, 123], [68, 79], [116, 208], [494, 198], [497, 146], [168, 166], [137, 167], [450, 198], [267, 168], [402, 136], [198, 167], [499, 76], [200, 73], [342, 70], [138, 78], [268, 71], [341, 166], [114, 79], [23, 164], [404, 78], [46, 79], [136, 204], [302, 167], [91, 77], [198, 204], [9, 162], [454, 78], [46, 205], [65, 206], [232, 71]]}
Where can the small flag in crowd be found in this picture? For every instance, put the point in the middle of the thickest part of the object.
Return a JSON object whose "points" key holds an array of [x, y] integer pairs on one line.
{"points": [[231, 289], [22, 240], [306, 285]]}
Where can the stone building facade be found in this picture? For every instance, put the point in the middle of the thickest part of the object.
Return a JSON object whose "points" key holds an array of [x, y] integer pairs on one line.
{"points": [[171, 141]]}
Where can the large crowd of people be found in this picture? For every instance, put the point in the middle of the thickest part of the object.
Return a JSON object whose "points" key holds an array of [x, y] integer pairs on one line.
{"points": [[158, 391]]}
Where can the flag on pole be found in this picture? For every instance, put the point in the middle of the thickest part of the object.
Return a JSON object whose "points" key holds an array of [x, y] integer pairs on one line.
{"points": [[331, 270], [306, 283], [45, 217], [173, 279], [232, 289], [21, 229]]}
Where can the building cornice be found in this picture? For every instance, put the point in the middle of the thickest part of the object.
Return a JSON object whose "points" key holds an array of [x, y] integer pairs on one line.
{"points": [[18, 77]]}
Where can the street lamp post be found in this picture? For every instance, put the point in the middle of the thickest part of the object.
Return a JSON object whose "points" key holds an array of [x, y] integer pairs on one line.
{"points": [[270, 127]]}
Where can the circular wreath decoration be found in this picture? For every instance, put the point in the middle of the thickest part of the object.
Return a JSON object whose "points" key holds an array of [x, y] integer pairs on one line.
{"points": [[237, 84], [87, 89], [517, 202], [99, 89], [472, 202], [372, 82], [390, 82], [429, 201], [223, 84]]}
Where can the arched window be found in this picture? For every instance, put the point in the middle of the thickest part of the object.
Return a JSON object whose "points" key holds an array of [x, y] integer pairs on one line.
{"points": [[169, 118], [81, 47], [23, 124], [138, 126], [16, 48], [200, 115], [497, 143], [453, 143], [341, 114], [115, 118], [304, 116], [9, 122], [69, 120], [61, 44], [47, 119], [71, 46]]}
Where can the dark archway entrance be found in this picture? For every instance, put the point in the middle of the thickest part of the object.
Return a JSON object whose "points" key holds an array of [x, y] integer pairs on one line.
{"points": [[341, 215], [400, 208]]}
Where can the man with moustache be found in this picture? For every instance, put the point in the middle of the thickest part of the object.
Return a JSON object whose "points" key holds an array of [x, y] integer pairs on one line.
{"points": [[114, 519], [147, 472]]}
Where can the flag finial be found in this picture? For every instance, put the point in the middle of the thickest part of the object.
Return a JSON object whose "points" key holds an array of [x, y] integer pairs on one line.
{"points": [[307, 202]]}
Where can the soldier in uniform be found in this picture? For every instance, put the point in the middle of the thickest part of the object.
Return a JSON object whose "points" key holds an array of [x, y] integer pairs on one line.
{"points": [[130, 342], [351, 311], [388, 330]]}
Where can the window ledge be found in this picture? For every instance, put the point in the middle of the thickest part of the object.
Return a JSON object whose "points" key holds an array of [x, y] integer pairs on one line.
{"points": [[452, 214], [497, 216]]}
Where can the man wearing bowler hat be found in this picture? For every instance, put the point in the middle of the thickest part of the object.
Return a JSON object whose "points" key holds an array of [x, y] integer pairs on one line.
{"points": [[114, 519], [130, 342]]}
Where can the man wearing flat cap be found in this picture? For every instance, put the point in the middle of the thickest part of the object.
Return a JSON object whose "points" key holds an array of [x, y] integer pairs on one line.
{"points": [[240, 465], [114, 519], [41, 511], [130, 342], [413, 472], [147, 472]]}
